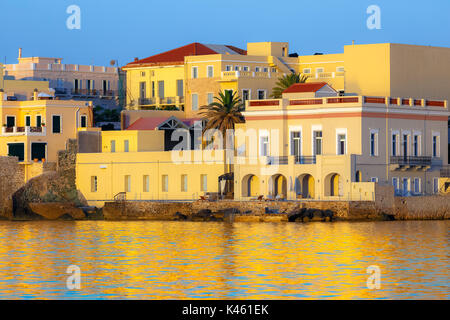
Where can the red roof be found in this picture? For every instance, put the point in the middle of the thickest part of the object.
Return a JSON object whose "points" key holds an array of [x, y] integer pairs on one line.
{"points": [[147, 123], [305, 87], [176, 56]]}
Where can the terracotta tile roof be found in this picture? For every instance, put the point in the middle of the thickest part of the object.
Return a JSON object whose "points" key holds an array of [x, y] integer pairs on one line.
{"points": [[176, 56], [305, 87], [147, 123]]}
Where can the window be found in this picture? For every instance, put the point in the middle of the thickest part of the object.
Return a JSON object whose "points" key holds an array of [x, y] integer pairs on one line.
{"points": [[10, 121], [38, 121], [194, 72], [317, 142], [339, 69], [83, 121], [436, 185], [165, 183], [142, 73], [126, 146], [153, 89], [374, 179], [405, 145], [228, 68], [257, 69], [184, 183], [93, 183], [245, 95], [210, 98], [416, 185], [394, 144], [210, 71], [374, 144], [161, 89], [142, 90], [113, 145], [237, 68], [396, 184], [27, 121], [405, 185], [16, 150], [266, 69], [319, 70], [307, 71], [204, 182], [56, 124], [180, 91], [296, 143], [127, 183], [416, 145], [261, 94], [435, 146], [194, 101], [246, 68], [88, 84], [264, 146], [145, 183], [341, 140], [274, 70]]}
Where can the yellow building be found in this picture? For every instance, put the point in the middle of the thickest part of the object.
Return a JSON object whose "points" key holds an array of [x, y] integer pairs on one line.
{"points": [[189, 77], [11, 89], [332, 147], [132, 164], [34, 131]]}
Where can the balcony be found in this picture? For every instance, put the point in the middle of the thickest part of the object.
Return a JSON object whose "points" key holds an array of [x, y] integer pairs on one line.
{"points": [[445, 172], [283, 160], [94, 93], [24, 131], [305, 159], [161, 103], [235, 75], [404, 163]]}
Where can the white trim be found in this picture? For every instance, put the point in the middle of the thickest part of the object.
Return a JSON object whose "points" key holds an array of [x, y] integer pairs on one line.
{"points": [[295, 129], [376, 143], [315, 127], [438, 143], [260, 62], [261, 134], [11, 116], [261, 90], [307, 72]]}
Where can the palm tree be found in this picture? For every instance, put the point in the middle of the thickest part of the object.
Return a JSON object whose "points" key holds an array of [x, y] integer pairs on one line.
{"points": [[285, 82], [222, 115]]}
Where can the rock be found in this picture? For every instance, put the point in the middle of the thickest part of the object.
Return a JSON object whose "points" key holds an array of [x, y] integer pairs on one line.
{"points": [[56, 210], [180, 217]]}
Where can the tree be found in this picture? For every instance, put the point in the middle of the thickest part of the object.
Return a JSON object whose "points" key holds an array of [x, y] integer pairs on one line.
{"points": [[222, 115], [285, 82]]}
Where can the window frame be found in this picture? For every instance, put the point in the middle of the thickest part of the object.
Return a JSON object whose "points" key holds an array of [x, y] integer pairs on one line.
{"points": [[60, 123], [194, 72]]}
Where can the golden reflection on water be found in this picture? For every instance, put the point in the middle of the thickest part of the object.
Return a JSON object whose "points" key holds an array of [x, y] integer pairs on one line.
{"points": [[208, 260]]}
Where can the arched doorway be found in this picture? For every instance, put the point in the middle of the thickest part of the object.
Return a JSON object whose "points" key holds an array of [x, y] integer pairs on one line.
{"points": [[358, 176], [250, 186], [278, 186], [333, 185], [305, 186]]}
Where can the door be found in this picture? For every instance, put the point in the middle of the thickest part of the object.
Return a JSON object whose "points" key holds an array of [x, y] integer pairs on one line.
{"points": [[16, 150], [38, 150]]}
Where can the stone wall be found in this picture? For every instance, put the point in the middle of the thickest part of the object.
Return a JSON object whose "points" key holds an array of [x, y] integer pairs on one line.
{"points": [[11, 178], [422, 208]]}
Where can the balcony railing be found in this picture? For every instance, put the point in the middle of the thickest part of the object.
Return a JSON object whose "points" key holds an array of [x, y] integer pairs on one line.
{"points": [[93, 92], [411, 161], [24, 131], [161, 101], [283, 160], [305, 159], [445, 172]]}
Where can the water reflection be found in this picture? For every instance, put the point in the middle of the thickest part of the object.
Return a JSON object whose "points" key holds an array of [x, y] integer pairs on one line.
{"points": [[182, 260]]}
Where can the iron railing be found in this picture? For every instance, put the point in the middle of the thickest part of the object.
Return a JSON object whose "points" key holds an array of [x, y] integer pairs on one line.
{"points": [[305, 159], [277, 160], [411, 161]]}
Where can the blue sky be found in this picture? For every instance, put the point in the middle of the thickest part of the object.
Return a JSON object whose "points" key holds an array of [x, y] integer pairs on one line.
{"points": [[122, 30]]}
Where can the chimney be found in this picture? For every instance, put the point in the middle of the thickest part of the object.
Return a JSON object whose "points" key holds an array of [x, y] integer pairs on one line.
{"points": [[20, 53], [35, 94], [136, 59]]}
